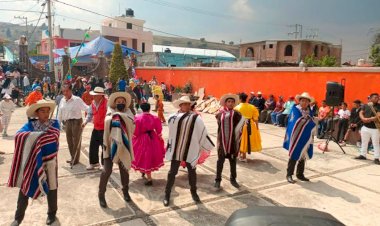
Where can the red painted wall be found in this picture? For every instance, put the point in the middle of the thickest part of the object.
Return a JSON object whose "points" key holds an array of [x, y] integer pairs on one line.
{"points": [[289, 82]]}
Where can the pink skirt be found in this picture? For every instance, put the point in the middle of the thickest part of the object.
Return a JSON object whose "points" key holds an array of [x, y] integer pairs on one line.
{"points": [[148, 152], [204, 155]]}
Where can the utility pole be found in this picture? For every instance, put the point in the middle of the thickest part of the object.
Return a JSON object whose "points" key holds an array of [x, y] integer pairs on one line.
{"points": [[51, 58], [298, 30], [26, 23]]}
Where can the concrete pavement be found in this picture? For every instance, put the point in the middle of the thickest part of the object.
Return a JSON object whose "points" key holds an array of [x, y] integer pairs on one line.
{"points": [[346, 188]]}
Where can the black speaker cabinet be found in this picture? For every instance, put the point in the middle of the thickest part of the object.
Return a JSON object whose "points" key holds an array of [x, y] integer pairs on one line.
{"points": [[334, 94]]}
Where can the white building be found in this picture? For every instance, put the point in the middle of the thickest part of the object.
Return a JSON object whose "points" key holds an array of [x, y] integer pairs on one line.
{"points": [[128, 31]]}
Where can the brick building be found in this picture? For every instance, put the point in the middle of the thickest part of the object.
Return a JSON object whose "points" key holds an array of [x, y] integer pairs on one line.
{"points": [[289, 51]]}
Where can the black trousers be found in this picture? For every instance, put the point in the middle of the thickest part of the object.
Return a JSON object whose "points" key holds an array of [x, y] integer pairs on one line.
{"points": [[292, 165], [22, 204], [219, 167], [95, 142], [106, 173], [342, 128], [192, 174]]}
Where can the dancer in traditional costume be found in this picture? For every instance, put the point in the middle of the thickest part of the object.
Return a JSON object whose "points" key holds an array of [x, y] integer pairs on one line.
{"points": [[230, 123], [118, 131], [187, 137], [160, 108], [299, 137], [148, 145], [34, 165], [250, 138]]}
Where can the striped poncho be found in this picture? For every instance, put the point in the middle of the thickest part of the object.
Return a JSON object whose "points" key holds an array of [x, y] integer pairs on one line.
{"points": [[35, 159], [187, 137], [298, 138]]}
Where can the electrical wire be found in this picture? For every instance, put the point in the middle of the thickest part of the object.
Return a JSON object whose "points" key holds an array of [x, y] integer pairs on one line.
{"points": [[42, 12]]}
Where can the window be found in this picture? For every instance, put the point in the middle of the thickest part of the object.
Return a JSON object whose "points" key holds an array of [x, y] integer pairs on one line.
{"points": [[289, 50], [249, 52], [263, 46], [316, 51], [143, 47], [328, 51], [110, 25], [124, 43], [270, 46], [129, 25]]}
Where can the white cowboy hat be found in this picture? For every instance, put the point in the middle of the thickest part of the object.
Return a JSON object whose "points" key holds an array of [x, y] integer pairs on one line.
{"points": [[97, 91], [306, 96], [182, 100], [114, 96], [258, 93], [31, 111], [6, 96], [229, 96]]}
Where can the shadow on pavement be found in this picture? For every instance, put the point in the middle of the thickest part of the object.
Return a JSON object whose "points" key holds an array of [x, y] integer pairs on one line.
{"points": [[258, 165]]}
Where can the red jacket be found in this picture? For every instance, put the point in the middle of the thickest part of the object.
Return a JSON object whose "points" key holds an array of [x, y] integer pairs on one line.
{"points": [[99, 114]]}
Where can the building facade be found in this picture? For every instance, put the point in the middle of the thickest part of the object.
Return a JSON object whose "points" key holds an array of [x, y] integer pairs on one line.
{"points": [[64, 37], [128, 31], [289, 51]]}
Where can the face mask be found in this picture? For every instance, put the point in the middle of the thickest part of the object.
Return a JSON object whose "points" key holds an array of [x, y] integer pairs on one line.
{"points": [[120, 107]]}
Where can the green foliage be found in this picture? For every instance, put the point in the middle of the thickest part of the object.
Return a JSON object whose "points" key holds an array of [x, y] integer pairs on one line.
{"points": [[118, 69], [188, 88], [375, 55], [326, 61], [178, 89]]}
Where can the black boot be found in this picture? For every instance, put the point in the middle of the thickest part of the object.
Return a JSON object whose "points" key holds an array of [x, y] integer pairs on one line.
{"points": [[52, 197], [195, 197], [166, 199], [127, 198], [15, 223], [234, 183], [300, 171], [290, 179], [102, 200], [217, 184], [290, 171]]}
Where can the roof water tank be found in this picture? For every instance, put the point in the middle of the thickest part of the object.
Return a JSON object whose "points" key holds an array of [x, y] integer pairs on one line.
{"points": [[129, 12]]}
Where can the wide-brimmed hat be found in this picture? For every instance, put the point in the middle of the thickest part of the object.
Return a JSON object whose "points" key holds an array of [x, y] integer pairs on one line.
{"points": [[182, 100], [224, 98], [114, 96], [259, 93], [6, 96], [306, 96], [37, 87], [97, 91], [31, 111]]}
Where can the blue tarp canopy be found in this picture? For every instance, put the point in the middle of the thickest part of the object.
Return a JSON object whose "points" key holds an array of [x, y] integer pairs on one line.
{"points": [[93, 47]]}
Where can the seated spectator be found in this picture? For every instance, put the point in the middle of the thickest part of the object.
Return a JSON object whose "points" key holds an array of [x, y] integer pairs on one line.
{"points": [[314, 109], [344, 116], [354, 123], [282, 118], [323, 113], [259, 102], [269, 106], [252, 97], [277, 110]]}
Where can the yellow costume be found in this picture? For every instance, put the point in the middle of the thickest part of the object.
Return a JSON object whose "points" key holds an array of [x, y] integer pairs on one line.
{"points": [[249, 112]]}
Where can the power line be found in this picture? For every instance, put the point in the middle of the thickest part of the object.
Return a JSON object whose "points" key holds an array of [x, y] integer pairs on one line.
{"points": [[20, 10], [20, 1], [27, 9], [42, 12]]}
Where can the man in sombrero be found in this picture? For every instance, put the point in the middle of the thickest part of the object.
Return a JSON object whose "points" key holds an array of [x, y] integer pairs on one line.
{"points": [[34, 165], [230, 123], [187, 137], [299, 137]]}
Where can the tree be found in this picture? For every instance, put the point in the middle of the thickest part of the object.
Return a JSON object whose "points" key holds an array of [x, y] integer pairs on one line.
{"points": [[375, 55], [118, 69], [202, 39], [326, 61], [223, 42], [231, 43]]}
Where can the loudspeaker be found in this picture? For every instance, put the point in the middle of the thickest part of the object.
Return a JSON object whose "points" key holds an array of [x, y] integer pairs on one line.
{"points": [[334, 94]]}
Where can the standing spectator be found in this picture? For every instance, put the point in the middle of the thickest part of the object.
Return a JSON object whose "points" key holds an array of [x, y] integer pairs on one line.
{"points": [[70, 114], [138, 93], [354, 123], [45, 89], [324, 112], [109, 87], [146, 90], [121, 85], [26, 84], [252, 98], [78, 88], [314, 108], [47, 79], [86, 96], [369, 114], [259, 102], [160, 109], [7, 107], [282, 119], [344, 116], [277, 110], [7, 85]]}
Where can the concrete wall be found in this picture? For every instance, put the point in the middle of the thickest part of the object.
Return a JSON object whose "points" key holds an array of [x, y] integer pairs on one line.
{"points": [[360, 82]]}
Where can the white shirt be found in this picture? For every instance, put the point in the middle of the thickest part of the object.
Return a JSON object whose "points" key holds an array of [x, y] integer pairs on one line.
{"points": [[26, 81], [344, 114], [71, 109]]}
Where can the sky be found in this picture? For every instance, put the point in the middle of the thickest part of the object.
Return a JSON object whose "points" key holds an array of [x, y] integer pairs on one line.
{"points": [[350, 22]]}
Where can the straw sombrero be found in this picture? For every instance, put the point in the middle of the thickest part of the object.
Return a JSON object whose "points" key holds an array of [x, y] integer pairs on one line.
{"points": [[229, 96], [306, 96], [182, 100], [31, 111], [114, 96], [97, 91]]}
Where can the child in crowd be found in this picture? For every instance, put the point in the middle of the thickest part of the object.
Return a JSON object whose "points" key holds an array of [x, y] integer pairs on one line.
{"points": [[160, 109], [7, 107]]}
